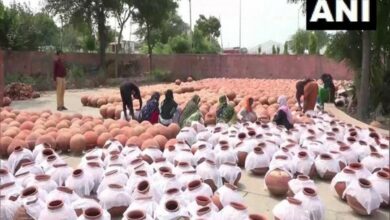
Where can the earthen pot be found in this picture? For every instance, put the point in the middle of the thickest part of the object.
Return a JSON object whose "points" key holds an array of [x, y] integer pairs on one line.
{"points": [[134, 141], [118, 210], [161, 140], [31, 139], [340, 186], [15, 144], [259, 170], [149, 143], [63, 141], [136, 215], [277, 182], [4, 143], [354, 203], [103, 138], [77, 143], [91, 139]]}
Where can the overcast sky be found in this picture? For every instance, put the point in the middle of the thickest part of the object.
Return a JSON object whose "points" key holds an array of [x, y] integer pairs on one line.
{"points": [[262, 20]]}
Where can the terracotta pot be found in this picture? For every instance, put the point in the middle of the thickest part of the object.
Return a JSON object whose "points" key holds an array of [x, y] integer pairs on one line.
{"points": [[161, 140], [354, 203], [172, 206], [149, 143], [84, 100], [91, 139], [134, 141], [63, 141], [136, 215], [174, 129], [46, 139], [340, 186], [4, 143], [15, 144], [77, 143], [31, 139], [103, 138], [257, 217], [277, 182], [178, 82]]}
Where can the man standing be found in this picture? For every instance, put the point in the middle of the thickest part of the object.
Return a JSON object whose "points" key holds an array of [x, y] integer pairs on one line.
{"points": [[59, 77]]}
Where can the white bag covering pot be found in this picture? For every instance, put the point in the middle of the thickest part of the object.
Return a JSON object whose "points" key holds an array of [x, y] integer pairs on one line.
{"points": [[380, 182], [57, 209], [113, 146], [161, 162], [115, 159], [17, 157], [182, 145], [131, 153], [361, 191], [290, 209], [304, 163], [81, 204], [312, 203], [225, 155], [114, 196], [269, 147], [136, 178], [360, 170], [67, 195], [200, 202], [302, 181], [326, 166], [184, 156], [170, 154], [228, 194], [197, 188], [59, 173], [168, 181], [230, 172], [203, 136], [374, 161], [187, 135], [44, 154], [7, 208], [38, 150], [361, 148], [145, 189], [209, 171], [342, 180], [81, 182], [22, 178], [10, 189], [112, 177], [31, 167], [257, 160], [282, 162], [205, 213], [6, 177], [139, 164], [182, 167], [34, 206], [204, 153], [43, 182], [96, 171], [146, 205], [173, 194], [50, 161], [171, 210], [95, 213], [233, 211], [314, 146], [152, 152], [349, 154]]}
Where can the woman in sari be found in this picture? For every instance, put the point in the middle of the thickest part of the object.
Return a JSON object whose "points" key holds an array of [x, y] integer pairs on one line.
{"points": [[247, 114], [225, 112], [283, 116], [326, 93], [150, 111], [168, 109], [191, 112]]}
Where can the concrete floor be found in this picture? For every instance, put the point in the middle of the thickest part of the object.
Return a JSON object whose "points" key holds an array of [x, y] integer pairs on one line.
{"points": [[252, 188]]}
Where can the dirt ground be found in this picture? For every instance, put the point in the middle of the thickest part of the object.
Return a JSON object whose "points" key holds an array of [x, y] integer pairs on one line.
{"points": [[252, 188]]}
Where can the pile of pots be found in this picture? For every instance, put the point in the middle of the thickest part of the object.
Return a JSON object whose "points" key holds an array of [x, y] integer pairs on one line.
{"points": [[74, 133], [187, 178]]}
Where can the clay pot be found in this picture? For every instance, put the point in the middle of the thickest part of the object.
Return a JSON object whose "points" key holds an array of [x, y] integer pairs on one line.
{"points": [[161, 140], [149, 143], [15, 144], [277, 182], [63, 141], [174, 129], [103, 138], [340, 186], [77, 143], [134, 141], [257, 217], [354, 203], [92, 213], [4, 143], [91, 139], [31, 139], [145, 136], [136, 215], [46, 139], [170, 143], [84, 100], [26, 125], [172, 206], [178, 82], [121, 138]]}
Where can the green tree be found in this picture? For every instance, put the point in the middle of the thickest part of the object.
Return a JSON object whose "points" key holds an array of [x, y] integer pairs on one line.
{"points": [[285, 49], [300, 41], [88, 11], [273, 49], [180, 44], [150, 14], [210, 27], [277, 50], [203, 45], [259, 50], [89, 43], [122, 14], [313, 46]]}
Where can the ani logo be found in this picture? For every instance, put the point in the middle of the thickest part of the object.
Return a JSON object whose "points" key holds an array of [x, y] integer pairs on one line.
{"points": [[341, 14]]}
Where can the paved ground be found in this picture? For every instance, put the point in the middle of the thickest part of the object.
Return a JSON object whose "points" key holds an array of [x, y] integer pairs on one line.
{"points": [[253, 189]]}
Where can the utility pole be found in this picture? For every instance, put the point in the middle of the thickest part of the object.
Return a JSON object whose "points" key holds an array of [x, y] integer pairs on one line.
{"points": [[239, 44], [221, 32]]}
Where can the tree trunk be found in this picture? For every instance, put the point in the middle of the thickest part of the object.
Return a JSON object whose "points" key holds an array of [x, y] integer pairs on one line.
{"points": [[150, 48], [102, 37], [117, 49], [363, 98]]}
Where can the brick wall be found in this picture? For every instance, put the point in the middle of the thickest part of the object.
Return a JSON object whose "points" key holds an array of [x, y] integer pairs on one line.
{"points": [[240, 66]]}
